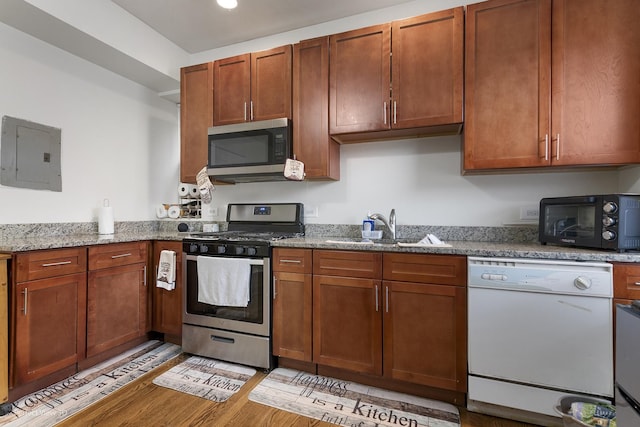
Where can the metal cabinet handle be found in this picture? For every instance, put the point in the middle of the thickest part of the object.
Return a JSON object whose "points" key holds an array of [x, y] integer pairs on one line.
{"points": [[387, 298], [637, 283], [395, 111], [245, 111], [145, 276], [25, 301], [120, 256], [558, 146], [384, 112], [290, 261], [376, 297], [53, 264], [546, 147], [251, 110], [275, 292]]}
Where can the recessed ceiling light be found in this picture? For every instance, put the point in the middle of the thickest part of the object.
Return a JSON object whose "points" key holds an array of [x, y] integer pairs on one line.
{"points": [[228, 4]]}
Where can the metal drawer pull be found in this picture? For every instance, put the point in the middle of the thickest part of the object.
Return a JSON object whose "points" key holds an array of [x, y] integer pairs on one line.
{"points": [[637, 283], [120, 256], [145, 276], [222, 339], [291, 261], [53, 264], [25, 301]]}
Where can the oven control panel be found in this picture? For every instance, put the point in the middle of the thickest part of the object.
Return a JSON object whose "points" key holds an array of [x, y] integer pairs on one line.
{"points": [[230, 249]]}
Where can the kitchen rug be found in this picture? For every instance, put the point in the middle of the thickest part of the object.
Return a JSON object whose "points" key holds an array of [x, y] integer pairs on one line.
{"points": [[207, 378], [346, 403], [53, 404]]}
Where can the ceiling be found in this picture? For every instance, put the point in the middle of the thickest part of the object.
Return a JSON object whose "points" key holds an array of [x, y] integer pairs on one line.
{"points": [[200, 25]]}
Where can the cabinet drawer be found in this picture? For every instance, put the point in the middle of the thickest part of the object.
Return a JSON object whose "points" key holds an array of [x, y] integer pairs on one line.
{"points": [[50, 263], [626, 281], [419, 268], [116, 254], [292, 260], [366, 265]]}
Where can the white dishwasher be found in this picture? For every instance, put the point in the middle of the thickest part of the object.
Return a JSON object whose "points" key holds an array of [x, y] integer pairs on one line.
{"points": [[538, 330]]}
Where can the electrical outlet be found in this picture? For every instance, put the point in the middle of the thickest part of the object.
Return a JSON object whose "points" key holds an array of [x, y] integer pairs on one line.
{"points": [[529, 213], [311, 212]]}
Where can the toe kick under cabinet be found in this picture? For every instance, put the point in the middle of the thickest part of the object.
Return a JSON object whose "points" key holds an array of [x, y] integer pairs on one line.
{"points": [[392, 320]]}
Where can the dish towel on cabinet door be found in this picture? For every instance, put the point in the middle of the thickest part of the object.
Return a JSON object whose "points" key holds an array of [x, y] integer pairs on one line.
{"points": [[167, 270], [224, 281]]}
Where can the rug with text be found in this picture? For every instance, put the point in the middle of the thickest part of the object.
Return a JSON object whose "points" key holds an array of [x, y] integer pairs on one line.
{"points": [[346, 403], [59, 401], [207, 378]]}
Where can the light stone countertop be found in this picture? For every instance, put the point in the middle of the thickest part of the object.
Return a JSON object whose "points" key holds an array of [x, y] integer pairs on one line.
{"points": [[471, 248]]}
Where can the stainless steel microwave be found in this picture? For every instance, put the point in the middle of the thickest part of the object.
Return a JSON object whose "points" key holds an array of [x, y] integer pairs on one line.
{"points": [[251, 151], [609, 221]]}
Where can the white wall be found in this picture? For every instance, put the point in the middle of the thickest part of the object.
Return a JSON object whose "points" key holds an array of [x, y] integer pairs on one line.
{"points": [[119, 140], [422, 180]]}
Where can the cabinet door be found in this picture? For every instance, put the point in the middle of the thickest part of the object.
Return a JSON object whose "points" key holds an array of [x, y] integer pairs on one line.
{"points": [[359, 76], [271, 84], [292, 315], [626, 281], [116, 306], [167, 305], [311, 141], [50, 325], [196, 116], [347, 323], [427, 73], [232, 90], [595, 87], [4, 333], [425, 334], [507, 84]]}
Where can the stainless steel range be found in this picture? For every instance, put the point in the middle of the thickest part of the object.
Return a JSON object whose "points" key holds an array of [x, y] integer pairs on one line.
{"points": [[227, 276]]}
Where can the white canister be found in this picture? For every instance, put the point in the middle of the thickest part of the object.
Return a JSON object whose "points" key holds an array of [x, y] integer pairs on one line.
{"points": [[105, 219]]}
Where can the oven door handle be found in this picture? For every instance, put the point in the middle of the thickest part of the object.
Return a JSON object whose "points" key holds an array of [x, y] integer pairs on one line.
{"points": [[252, 261]]}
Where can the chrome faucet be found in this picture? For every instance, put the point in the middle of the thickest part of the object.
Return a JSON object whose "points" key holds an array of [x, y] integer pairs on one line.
{"points": [[391, 223]]}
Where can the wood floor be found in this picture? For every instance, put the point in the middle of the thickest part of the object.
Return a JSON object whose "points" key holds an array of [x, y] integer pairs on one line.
{"points": [[142, 403]]}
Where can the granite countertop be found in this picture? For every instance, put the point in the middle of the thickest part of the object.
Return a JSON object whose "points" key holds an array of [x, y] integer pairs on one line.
{"points": [[30, 243], [470, 241], [472, 248]]}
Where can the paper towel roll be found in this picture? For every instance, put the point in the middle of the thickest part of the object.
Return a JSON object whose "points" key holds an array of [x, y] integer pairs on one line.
{"points": [[183, 190], [174, 212], [105, 219], [194, 191], [161, 211]]}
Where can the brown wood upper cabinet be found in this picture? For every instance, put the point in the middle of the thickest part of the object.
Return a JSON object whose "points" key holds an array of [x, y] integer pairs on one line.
{"points": [[420, 86], [196, 116], [252, 86], [552, 83], [311, 141]]}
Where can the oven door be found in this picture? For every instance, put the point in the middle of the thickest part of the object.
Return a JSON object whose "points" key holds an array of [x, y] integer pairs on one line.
{"points": [[252, 319]]}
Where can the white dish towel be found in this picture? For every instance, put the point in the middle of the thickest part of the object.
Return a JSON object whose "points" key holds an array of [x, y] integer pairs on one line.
{"points": [[224, 281], [166, 278]]}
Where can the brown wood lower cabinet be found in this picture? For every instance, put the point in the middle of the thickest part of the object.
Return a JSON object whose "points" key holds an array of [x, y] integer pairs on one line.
{"points": [[292, 287], [49, 310], [117, 295], [167, 305], [50, 326], [396, 320]]}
